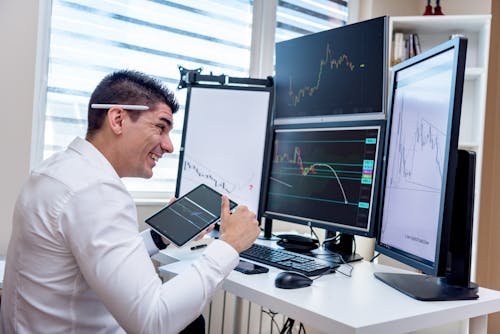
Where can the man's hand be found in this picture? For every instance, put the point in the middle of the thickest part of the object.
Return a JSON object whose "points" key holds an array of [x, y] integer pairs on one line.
{"points": [[239, 229]]}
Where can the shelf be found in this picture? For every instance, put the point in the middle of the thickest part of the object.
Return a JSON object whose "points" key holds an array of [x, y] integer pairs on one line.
{"points": [[447, 24], [434, 30], [473, 73], [471, 146]]}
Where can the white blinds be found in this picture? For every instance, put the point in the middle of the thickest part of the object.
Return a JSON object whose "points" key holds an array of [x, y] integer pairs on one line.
{"points": [[89, 39], [302, 17]]}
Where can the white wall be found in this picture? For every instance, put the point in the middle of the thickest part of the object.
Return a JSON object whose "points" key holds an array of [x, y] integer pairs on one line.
{"points": [[18, 33]]}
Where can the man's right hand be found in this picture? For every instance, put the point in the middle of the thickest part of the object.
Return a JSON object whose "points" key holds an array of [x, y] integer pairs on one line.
{"points": [[240, 228]]}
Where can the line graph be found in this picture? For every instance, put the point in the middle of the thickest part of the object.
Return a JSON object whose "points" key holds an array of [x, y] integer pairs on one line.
{"points": [[208, 176], [324, 173], [338, 71], [419, 146], [328, 62], [297, 160]]}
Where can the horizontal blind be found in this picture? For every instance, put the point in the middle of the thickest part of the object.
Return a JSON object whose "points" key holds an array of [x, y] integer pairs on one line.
{"points": [[297, 18], [90, 39]]}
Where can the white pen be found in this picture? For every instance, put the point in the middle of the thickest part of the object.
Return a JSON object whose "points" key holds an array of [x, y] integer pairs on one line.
{"points": [[124, 106]]}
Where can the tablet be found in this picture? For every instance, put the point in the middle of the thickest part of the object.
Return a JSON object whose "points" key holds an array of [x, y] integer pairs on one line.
{"points": [[185, 218]]}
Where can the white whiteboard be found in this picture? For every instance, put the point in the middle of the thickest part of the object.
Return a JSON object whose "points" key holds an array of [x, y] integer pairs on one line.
{"points": [[224, 142]]}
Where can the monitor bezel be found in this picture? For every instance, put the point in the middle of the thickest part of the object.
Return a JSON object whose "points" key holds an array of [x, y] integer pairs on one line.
{"points": [[328, 116], [438, 266], [266, 144], [371, 229]]}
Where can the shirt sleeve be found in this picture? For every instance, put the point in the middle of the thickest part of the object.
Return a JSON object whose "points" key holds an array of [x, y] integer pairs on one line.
{"points": [[149, 242], [101, 228]]}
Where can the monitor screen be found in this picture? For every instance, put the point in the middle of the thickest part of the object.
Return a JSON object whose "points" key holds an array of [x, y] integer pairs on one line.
{"points": [[338, 71], [421, 156], [325, 175]]}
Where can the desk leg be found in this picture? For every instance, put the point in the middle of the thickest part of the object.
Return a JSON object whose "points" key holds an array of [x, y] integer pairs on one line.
{"points": [[478, 325]]}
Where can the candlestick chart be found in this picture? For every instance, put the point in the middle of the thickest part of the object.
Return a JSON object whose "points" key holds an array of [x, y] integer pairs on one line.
{"points": [[324, 173], [338, 71]]}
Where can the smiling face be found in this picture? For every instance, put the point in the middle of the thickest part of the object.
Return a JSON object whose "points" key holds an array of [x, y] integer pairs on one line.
{"points": [[144, 141]]}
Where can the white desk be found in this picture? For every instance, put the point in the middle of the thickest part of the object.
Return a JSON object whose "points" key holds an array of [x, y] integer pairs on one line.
{"points": [[339, 304]]}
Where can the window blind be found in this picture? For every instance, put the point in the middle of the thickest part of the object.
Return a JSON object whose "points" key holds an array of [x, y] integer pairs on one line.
{"points": [[89, 39]]}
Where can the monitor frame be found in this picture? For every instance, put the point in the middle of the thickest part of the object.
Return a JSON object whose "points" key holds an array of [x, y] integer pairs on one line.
{"points": [[438, 265], [374, 31], [371, 229], [223, 141]]}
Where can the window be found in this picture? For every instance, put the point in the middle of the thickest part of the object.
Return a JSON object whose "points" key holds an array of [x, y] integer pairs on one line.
{"points": [[89, 39], [295, 18]]}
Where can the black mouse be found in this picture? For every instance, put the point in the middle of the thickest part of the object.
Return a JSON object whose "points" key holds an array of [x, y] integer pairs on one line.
{"points": [[292, 280]]}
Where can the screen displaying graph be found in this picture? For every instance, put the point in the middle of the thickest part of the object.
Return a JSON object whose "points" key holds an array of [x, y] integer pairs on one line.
{"points": [[417, 156], [224, 142], [338, 71], [324, 175]]}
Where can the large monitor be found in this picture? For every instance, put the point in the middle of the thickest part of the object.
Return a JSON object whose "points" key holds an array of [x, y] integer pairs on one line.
{"points": [[326, 175], [340, 71], [224, 142], [421, 192]]}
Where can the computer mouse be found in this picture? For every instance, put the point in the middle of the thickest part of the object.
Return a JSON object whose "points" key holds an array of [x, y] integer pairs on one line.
{"points": [[292, 280]]}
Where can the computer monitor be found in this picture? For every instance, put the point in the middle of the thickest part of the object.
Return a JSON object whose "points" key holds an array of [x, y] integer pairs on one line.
{"points": [[225, 141], [326, 175], [340, 71], [425, 184]]}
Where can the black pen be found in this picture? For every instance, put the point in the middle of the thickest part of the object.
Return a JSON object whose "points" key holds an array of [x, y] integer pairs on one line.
{"points": [[198, 246]]}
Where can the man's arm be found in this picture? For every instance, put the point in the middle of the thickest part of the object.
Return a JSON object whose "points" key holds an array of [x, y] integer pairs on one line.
{"points": [[115, 263]]}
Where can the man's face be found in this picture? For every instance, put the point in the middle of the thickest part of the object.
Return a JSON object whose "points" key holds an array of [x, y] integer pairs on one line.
{"points": [[145, 141]]}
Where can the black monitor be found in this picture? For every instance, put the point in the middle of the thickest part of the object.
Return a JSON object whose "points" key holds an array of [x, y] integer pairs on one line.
{"points": [[340, 71], [427, 191], [326, 175]]}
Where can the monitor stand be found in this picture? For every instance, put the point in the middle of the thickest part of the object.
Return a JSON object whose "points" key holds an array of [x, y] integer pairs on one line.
{"points": [[428, 288], [454, 282], [342, 244]]}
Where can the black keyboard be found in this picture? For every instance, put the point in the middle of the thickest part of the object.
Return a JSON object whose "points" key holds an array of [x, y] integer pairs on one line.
{"points": [[287, 260]]}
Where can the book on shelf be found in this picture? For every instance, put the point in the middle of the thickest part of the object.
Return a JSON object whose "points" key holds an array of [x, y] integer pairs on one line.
{"points": [[405, 46]]}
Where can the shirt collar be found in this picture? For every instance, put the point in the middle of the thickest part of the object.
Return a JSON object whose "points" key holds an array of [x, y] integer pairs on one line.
{"points": [[93, 155]]}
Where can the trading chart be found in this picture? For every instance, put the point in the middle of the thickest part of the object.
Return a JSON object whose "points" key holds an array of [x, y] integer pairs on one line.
{"points": [[324, 173], [339, 71]]}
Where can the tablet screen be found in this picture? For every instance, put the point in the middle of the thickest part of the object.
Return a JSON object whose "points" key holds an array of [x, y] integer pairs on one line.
{"points": [[184, 219]]}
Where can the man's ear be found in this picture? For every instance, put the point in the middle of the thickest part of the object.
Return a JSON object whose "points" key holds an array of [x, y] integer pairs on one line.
{"points": [[115, 119]]}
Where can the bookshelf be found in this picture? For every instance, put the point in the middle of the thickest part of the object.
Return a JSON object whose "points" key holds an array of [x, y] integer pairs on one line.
{"points": [[433, 30]]}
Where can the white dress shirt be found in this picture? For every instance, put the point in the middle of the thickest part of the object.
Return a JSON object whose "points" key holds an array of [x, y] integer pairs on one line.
{"points": [[76, 262]]}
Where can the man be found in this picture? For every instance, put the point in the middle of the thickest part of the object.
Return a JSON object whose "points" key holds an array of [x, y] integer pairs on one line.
{"points": [[76, 261]]}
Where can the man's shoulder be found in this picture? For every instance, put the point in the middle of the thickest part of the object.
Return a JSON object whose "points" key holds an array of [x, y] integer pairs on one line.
{"points": [[72, 170]]}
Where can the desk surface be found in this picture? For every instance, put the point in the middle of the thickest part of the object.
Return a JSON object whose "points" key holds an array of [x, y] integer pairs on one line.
{"points": [[341, 304]]}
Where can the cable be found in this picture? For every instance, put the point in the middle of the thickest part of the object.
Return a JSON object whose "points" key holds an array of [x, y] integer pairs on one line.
{"points": [[332, 239], [313, 233], [287, 328], [354, 244], [374, 257], [344, 263], [272, 314]]}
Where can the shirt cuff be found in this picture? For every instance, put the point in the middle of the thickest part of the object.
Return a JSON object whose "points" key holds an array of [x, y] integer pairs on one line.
{"points": [[221, 252], [149, 242]]}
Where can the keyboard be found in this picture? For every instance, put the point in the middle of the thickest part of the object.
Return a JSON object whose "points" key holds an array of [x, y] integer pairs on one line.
{"points": [[287, 260]]}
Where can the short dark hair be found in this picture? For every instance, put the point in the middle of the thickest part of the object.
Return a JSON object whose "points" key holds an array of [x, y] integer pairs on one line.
{"points": [[127, 87]]}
